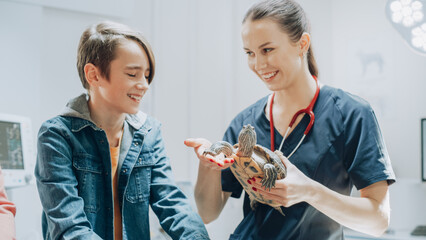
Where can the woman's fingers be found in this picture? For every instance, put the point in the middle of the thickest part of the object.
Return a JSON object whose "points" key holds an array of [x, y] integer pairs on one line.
{"points": [[199, 145], [228, 160], [277, 193], [284, 160], [256, 182], [218, 162], [197, 142]]}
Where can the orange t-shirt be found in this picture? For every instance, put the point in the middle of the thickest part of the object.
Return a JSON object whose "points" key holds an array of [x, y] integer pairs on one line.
{"points": [[118, 229]]}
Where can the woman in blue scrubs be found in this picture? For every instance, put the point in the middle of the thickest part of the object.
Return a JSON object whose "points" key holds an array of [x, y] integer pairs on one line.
{"points": [[344, 148]]}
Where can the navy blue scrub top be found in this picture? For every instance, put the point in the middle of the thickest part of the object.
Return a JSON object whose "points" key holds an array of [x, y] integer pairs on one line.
{"points": [[344, 148]]}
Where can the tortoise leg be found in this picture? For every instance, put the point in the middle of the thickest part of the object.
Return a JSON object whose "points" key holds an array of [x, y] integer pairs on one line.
{"points": [[279, 210], [219, 147], [253, 204], [270, 177]]}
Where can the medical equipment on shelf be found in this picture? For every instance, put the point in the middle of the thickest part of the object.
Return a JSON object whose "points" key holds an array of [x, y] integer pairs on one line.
{"points": [[17, 150]]}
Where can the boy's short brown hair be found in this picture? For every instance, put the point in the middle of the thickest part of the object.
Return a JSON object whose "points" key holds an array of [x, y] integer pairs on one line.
{"points": [[98, 43]]}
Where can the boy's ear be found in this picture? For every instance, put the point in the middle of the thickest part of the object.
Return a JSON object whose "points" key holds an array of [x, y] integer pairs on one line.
{"points": [[304, 43], [91, 73]]}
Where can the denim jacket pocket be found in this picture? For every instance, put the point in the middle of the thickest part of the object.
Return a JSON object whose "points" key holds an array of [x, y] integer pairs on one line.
{"points": [[138, 187], [89, 177]]}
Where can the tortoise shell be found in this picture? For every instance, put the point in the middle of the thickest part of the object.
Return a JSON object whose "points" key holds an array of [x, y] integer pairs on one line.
{"points": [[245, 168], [252, 160]]}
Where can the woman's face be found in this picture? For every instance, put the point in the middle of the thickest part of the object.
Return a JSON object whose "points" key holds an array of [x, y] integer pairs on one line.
{"points": [[271, 54]]}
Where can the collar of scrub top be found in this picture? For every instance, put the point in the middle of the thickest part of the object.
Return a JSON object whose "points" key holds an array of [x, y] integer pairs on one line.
{"points": [[308, 110]]}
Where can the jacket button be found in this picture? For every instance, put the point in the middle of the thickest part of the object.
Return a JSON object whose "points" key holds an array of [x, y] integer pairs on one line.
{"points": [[136, 143], [140, 160], [124, 170]]}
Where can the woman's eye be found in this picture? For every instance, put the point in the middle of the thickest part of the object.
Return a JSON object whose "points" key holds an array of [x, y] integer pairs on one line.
{"points": [[249, 53], [266, 50], [131, 75]]}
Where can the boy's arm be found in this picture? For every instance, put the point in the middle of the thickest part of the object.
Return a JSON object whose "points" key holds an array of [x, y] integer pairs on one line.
{"points": [[7, 213], [168, 202], [57, 187]]}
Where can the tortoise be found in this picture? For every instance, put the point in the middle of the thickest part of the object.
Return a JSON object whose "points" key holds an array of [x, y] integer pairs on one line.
{"points": [[252, 160]]}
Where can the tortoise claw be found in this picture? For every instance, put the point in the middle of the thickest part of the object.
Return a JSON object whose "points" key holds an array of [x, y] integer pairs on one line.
{"points": [[279, 209], [270, 176], [209, 152], [219, 147]]}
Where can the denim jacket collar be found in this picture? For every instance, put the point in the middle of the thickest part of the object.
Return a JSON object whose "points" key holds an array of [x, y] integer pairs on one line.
{"points": [[78, 108]]}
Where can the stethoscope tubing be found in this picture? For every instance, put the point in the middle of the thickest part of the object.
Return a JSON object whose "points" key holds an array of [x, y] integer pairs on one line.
{"points": [[308, 110]]}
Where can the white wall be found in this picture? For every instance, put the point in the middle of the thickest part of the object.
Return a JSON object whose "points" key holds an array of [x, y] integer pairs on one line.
{"points": [[202, 77], [397, 93], [20, 68], [361, 35]]}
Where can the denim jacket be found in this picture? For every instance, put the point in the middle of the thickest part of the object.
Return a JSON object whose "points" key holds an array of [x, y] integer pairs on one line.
{"points": [[73, 173]]}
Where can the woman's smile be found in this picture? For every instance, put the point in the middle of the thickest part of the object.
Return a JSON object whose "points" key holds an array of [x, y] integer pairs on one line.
{"points": [[269, 76]]}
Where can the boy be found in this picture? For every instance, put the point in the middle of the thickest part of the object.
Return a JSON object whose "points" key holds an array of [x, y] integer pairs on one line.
{"points": [[102, 162]]}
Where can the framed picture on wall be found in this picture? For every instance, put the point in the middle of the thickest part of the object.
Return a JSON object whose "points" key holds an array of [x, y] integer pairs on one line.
{"points": [[423, 147]]}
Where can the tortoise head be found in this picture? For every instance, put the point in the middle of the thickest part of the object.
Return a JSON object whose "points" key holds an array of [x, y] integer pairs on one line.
{"points": [[246, 140]]}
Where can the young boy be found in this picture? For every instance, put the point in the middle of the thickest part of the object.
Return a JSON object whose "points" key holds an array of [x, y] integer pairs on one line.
{"points": [[102, 162]]}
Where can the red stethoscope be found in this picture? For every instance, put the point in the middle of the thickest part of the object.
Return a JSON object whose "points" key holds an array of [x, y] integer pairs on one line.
{"points": [[308, 110]]}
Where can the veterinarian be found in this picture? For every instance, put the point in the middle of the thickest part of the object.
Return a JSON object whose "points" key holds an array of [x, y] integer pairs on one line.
{"points": [[344, 147]]}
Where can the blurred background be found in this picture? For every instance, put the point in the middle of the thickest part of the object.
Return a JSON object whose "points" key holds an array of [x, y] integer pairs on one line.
{"points": [[202, 79]]}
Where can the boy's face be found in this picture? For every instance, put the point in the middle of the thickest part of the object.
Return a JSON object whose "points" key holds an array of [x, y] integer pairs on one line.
{"points": [[128, 79]]}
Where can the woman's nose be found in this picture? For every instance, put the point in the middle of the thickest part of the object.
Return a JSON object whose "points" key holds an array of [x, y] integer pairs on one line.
{"points": [[260, 63]]}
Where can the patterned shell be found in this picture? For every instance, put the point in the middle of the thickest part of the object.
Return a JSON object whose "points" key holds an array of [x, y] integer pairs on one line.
{"points": [[245, 168]]}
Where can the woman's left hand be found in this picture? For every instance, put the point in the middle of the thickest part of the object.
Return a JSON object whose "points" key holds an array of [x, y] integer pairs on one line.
{"points": [[294, 188]]}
